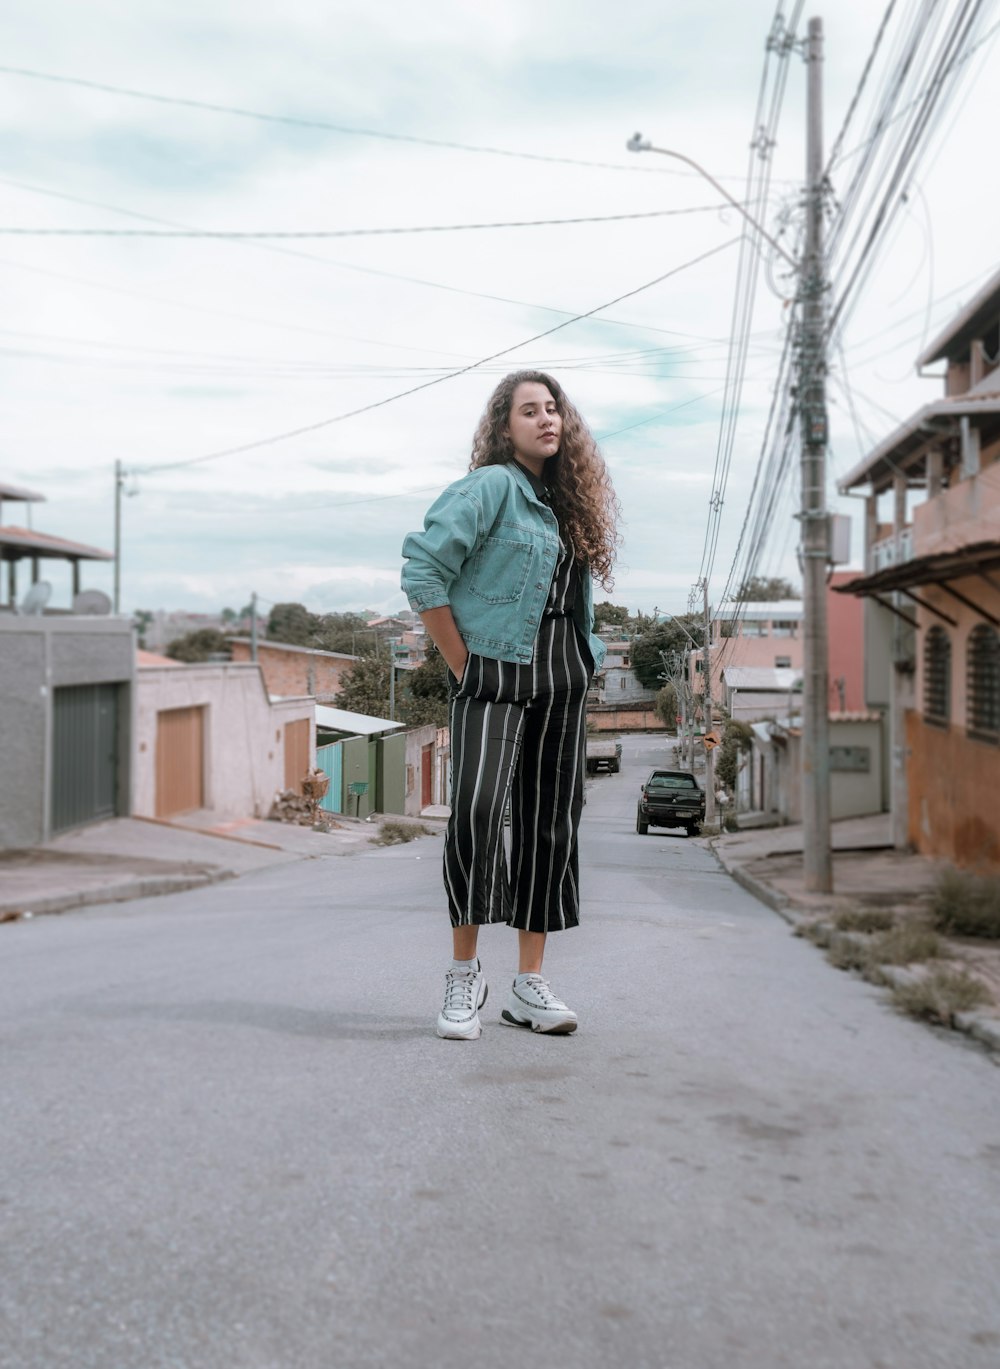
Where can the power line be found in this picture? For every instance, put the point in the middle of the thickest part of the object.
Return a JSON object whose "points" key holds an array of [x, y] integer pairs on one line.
{"points": [[391, 399], [324, 233], [338, 265], [295, 121]]}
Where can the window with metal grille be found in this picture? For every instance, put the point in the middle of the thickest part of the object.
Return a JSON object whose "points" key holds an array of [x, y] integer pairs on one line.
{"points": [[937, 676], [983, 683]]}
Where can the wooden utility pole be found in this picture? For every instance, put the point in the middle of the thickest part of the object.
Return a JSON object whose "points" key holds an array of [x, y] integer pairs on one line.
{"points": [[814, 517]]}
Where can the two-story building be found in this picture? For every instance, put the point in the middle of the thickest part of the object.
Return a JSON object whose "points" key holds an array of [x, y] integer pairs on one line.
{"points": [[932, 596], [67, 668]]}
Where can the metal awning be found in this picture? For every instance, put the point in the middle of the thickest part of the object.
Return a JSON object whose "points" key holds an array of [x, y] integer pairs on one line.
{"points": [[939, 569], [353, 724]]}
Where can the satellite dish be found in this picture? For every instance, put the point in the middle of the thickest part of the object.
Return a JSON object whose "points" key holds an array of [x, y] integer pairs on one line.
{"points": [[93, 601], [36, 598]]}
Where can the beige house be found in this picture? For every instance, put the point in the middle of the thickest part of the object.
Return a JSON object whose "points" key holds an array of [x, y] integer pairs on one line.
{"points": [[209, 738], [932, 592]]}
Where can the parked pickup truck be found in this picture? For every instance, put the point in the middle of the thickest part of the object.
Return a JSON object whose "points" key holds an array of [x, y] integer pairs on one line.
{"points": [[603, 755], [670, 798]]}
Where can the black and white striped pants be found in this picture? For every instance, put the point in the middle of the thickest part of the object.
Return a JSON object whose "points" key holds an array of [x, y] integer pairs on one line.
{"points": [[519, 731]]}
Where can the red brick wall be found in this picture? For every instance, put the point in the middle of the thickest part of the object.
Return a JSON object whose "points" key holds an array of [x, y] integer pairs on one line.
{"points": [[291, 672], [952, 795]]}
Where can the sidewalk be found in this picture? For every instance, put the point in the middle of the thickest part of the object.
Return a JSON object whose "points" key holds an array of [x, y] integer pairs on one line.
{"points": [[127, 858], [866, 867], [867, 873]]}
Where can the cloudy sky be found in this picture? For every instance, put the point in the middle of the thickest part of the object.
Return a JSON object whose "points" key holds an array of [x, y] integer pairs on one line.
{"points": [[160, 351]]}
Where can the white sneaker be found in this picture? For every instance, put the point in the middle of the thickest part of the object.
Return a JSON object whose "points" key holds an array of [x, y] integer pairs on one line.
{"points": [[533, 1004], [464, 994]]}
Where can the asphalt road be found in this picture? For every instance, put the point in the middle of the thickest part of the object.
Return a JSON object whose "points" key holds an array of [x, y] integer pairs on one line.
{"points": [[231, 1140]]}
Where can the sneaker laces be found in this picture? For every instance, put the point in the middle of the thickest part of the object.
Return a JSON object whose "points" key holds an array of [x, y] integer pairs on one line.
{"points": [[541, 987], [459, 990]]}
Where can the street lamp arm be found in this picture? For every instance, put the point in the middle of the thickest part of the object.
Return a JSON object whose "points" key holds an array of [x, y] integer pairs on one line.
{"points": [[637, 143]]}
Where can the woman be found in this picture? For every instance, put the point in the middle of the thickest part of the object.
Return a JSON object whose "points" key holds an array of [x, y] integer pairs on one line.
{"points": [[501, 577]]}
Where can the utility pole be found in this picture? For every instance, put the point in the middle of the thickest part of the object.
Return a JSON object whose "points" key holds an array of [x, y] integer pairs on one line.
{"points": [[707, 683], [392, 679], [119, 482], [253, 626], [817, 864]]}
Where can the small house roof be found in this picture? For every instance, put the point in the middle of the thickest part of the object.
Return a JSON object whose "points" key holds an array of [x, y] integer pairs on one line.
{"points": [[356, 724], [263, 642], [18, 493], [776, 678], [966, 326], [18, 543]]}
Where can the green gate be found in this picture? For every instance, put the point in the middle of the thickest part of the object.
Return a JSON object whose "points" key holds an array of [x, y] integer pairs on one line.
{"points": [[84, 755]]}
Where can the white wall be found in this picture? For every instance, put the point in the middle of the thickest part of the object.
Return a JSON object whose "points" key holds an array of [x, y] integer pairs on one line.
{"points": [[244, 734]]}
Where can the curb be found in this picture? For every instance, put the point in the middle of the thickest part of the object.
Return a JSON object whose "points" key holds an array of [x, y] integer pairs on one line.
{"points": [[778, 903], [149, 886]]}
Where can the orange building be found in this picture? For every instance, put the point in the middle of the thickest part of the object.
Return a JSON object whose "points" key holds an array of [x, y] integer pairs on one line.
{"points": [[932, 591]]}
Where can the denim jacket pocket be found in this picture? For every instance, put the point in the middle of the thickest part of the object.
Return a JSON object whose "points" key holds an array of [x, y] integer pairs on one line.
{"points": [[500, 570]]}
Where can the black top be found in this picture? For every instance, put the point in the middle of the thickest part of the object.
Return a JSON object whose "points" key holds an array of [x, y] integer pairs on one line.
{"points": [[566, 576]]}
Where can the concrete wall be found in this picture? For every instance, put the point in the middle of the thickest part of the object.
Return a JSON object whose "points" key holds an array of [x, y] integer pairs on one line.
{"points": [[38, 654], [640, 718], [416, 740], [777, 769], [293, 673], [244, 734]]}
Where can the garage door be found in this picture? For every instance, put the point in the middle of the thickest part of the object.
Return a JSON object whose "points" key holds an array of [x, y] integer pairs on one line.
{"points": [[84, 754], [180, 761], [296, 753]]}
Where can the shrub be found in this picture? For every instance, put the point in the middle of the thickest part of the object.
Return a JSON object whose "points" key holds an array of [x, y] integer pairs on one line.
{"points": [[907, 944], [396, 833], [864, 920], [964, 904], [941, 994]]}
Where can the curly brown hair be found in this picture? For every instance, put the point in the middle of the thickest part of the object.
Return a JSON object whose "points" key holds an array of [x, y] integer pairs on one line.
{"points": [[580, 490]]}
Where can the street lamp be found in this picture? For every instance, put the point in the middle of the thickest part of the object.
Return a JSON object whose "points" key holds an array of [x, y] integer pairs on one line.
{"points": [[637, 143]]}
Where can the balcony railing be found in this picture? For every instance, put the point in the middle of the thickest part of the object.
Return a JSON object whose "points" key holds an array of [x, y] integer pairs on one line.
{"points": [[891, 551]]}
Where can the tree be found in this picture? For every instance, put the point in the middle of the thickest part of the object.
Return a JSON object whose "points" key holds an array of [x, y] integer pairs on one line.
{"points": [[766, 589], [665, 707], [141, 622], [345, 632], [199, 646], [669, 638], [426, 692], [364, 688], [737, 738], [292, 623], [607, 614]]}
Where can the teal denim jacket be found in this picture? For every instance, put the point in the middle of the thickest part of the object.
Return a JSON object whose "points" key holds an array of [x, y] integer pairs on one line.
{"points": [[488, 549]]}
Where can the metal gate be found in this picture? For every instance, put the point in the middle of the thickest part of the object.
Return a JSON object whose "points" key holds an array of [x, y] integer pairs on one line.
{"points": [[180, 761], [330, 759], [84, 754]]}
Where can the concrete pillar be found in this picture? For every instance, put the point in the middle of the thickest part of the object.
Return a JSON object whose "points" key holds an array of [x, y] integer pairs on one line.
{"points": [[935, 471], [871, 531]]}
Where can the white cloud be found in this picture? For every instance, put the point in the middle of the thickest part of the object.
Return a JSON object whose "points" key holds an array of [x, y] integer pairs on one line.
{"points": [[157, 352]]}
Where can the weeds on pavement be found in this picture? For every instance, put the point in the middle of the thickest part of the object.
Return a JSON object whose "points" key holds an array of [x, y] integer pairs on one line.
{"points": [[864, 920], [940, 995], [965, 904], [396, 833]]}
